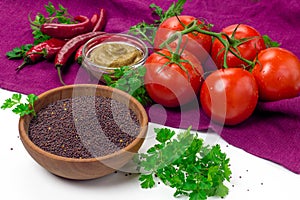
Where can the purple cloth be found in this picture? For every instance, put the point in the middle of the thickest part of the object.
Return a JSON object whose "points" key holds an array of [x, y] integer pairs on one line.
{"points": [[273, 130]]}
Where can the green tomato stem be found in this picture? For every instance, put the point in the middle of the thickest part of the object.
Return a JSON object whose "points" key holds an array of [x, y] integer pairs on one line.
{"points": [[227, 43]]}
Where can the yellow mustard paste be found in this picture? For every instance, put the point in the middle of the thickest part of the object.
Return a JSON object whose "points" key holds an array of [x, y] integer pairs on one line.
{"points": [[115, 54]]}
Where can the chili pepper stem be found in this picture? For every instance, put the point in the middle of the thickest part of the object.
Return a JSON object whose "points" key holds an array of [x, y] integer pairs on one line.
{"points": [[21, 66], [60, 75]]}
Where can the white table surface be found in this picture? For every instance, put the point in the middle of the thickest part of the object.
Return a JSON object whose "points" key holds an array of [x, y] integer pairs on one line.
{"points": [[22, 178]]}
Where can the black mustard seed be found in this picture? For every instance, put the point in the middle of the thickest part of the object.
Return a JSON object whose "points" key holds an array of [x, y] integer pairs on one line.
{"points": [[84, 127]]}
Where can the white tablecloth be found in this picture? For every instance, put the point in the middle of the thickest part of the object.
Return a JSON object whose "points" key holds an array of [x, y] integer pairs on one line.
{"points": [[22, 178]]}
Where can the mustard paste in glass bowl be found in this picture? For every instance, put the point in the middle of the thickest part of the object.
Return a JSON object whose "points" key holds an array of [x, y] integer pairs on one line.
{"points": [[105, 53]]}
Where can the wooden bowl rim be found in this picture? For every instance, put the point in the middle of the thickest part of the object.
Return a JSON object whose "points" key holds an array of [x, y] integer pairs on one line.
{"points": [[139, 137]]}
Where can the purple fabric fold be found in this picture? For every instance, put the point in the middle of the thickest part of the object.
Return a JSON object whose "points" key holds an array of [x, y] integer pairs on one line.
{"points": [[272, 132]]}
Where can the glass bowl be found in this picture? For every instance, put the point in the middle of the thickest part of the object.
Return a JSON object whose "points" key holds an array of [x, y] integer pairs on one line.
{"points": [[105, 53]]}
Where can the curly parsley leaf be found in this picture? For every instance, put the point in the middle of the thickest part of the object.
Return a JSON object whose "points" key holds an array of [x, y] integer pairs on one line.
{"points": [[22, 109], [18, 107], [50, 9], [173, 10], [147, 31], [147, 181], [130, 81], [18, 52], [144, 31], [58, 15], [186, 164], [269, 42], [163, 134]]}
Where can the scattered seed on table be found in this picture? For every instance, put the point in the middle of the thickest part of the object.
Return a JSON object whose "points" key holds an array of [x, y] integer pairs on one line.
{"points": [[84, 127]]}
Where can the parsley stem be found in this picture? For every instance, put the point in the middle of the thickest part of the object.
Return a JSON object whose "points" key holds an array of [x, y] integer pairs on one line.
{"points": [[145, 37]]}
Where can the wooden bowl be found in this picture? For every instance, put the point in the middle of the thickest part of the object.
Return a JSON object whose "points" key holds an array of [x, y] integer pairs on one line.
{"points": [[89, 168]]}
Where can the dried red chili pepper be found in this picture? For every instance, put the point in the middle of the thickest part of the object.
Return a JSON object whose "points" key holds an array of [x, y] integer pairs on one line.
{"points": [[47, 50], [101, 21], [78, 55], [68, 31], [94, 19], [69, 48], [54, 45]]}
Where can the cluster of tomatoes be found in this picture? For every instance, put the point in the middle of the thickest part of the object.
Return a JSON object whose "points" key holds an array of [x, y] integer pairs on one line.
{"points": [[228, 93]]}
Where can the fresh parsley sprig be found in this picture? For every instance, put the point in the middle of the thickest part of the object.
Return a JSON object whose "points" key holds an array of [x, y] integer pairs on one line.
{"points": [[130, 81], [186, 164], [144, 31], [18, 107], [58, 15], [269, 42], [173, 10], [18, 52], [147, 31]]}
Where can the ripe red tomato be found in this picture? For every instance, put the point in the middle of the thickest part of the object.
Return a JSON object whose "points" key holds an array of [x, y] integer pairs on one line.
{"points": [[167, 83], [197, 43], [229, 96], [277, 74], [247, 50]]}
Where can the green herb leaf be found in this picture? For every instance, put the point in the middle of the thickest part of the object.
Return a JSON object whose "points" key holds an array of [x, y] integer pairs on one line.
{"points": [[221, 190], [186, 164], [107, 79], [20, 108], [147, 181], [57, 15], [130, 81], [173, 10], [17, 97], [50, 9], [146, 31], [31, 98], [269, 42], [8, 104], [163, 134], [198, 195], [18, 52]]}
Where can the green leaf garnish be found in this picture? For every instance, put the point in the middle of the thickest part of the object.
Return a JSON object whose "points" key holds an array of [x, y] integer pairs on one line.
{"points": [[164, 134], [130, 81], [18, 52], [20, 108], [269, 42], [147, 181], [146, 31], [186, 164], [173, 10], [57, 15]]}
